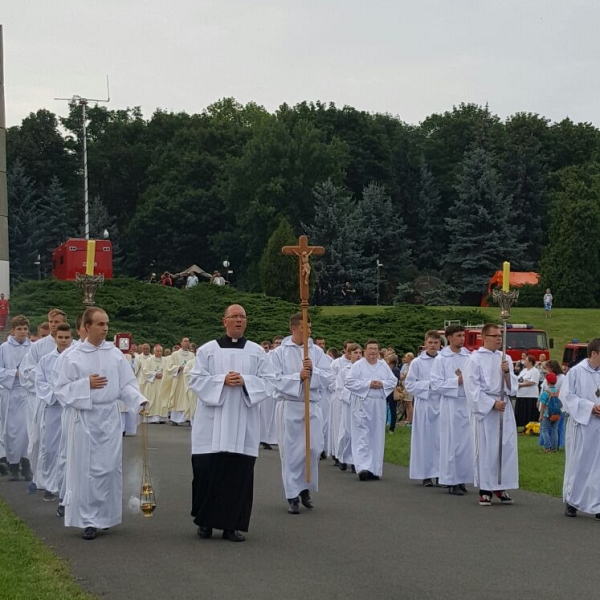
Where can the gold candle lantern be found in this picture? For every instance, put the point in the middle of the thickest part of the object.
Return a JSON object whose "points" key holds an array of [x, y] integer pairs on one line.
{"points": [[147, 498]]}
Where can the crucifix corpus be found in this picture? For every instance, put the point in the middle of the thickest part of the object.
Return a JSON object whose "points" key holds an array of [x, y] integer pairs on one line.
{"points": [[303, 251]]}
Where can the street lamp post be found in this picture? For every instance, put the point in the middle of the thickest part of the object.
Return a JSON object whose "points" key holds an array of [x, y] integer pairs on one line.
{"points": [[378, 274], [228, 271], [38, 264]]}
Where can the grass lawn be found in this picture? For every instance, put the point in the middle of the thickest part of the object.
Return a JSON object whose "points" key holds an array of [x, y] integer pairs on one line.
{"points": [[565, 324], [29, 569], [538, 472]]}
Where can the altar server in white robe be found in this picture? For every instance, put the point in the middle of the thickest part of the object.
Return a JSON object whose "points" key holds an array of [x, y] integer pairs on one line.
{"points": [[456, 445], [370, 381], [38, 349], [335, 402], [293, 373], [344, 445], [425, 436], [14, 398], [267, 409], [93, 377], [231, 377], [580, 395], [67, 416], [489, 402], [179, 403], [51, 416], [153, 370]]}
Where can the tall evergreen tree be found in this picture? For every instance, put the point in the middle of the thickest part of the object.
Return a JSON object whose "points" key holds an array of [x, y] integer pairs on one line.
{"points": [[24, 224], [56, 227], [481, 236], [429, 246], [571, 261], [279, 273], [339, 226]]}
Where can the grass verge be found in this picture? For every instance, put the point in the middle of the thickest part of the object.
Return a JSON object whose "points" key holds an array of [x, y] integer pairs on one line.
{"points": [[542, 473], [29, 569]]}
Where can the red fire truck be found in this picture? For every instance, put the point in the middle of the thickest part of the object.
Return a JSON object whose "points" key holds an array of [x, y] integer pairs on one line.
{"points": [[70, 258], [519, 338]]}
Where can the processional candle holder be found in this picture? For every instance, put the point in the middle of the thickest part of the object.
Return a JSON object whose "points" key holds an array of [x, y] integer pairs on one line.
{"points": [[505, 301], [147, 498], [89, 284]]}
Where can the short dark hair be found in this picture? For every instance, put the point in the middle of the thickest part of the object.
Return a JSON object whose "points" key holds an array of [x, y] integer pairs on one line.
{"points": [[89, 313], [372, 341], [319, 337], [488, 327], [296, 319], [277, 337], [452, 329], [593, 346], [434, 334], [20, 321], [348, 342], [63, 327]]}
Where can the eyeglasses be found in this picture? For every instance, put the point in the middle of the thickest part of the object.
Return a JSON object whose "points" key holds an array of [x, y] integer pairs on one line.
{"points": [[241, 317], [497, 335]]}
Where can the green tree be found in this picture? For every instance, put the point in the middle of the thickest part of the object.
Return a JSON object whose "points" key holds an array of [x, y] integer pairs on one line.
{"points": [[53, 215], [571, 260], [478, 227], [431, 232], [279, 273]]}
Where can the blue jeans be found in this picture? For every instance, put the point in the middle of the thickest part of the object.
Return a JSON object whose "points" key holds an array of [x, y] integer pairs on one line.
{"points": [[550, 432]]}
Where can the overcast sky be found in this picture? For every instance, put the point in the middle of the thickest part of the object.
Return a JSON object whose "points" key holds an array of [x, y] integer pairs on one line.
{"points": [[409, 58]]}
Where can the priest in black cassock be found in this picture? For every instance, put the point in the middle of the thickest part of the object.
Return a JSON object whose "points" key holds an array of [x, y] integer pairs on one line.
{"points": [[231, 376]]}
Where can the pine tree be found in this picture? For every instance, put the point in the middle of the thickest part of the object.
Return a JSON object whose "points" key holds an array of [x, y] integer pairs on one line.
{"points": [[340, 227], [571, 261], [431, 233], [481, 236], [55, 228], [279, 273], [24, 224]]}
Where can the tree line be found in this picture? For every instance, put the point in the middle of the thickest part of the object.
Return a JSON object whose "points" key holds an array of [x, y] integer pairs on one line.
{"points": [[439, 205]]}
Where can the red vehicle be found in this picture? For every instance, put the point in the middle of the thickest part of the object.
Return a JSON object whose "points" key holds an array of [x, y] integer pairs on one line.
{"points": [[574, 353], [71, 258], [519, 338]]}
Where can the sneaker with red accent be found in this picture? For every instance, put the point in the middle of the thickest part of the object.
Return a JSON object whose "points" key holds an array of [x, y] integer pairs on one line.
{"points": [[503, 497], [485, 500]]}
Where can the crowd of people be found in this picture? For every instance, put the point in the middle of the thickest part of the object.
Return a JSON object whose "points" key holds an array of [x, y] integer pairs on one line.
{"points": [[67, 404]]}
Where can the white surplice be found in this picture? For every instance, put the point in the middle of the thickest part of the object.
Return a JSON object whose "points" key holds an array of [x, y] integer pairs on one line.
{"points": [[343, 449], [579, 393], [227, 417], [425, 433], [456, 443], [13, 399], [483, 386], [335, 406], [94, 479], [50, 424], [287, 363], [369, 411]]}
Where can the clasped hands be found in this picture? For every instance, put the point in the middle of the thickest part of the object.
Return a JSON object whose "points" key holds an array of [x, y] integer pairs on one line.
{"points": [[306, 372], [234, 379], [376, 385], [596, 410]]}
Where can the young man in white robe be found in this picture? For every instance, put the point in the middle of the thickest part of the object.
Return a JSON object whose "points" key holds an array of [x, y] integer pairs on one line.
{"points": [[231, 377], [489, 381], [370, 381], [580, 395], [153, 370], [93, 378], [293, 373], [456, 445], [335, 406], [266, 409], [425, 435], [344, 444], [14, 398], [326, 399], [38, 349], [51, 416], [179, 403]]}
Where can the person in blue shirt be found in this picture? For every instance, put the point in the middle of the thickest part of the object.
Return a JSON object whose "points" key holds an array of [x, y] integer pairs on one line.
{"points": [[550, 414]]}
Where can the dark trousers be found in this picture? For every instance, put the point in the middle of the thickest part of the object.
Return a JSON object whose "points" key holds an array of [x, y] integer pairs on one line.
{"points": [[393, 411]]}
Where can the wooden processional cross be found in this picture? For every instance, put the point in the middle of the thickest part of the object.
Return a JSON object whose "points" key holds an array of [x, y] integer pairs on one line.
{"points": [[303, 251]]}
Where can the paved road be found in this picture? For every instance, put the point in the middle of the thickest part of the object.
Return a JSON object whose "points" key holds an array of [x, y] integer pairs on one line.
{"points": [[364, 540]]}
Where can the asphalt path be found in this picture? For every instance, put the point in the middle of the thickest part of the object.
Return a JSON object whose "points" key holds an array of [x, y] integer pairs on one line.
{"points": [[365, 540]]}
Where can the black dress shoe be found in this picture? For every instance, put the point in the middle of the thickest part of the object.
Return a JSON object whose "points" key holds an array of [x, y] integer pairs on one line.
{"points": [[205, 532], [373, 477], [294, 508], [305, 499], [363, 475], [343, 466], [455, 490], [427, 482], [323, 455], [233, 535], [353, 468], [89, 533], [570, 511], [60, 511], [266, 446], [462, 487]]}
